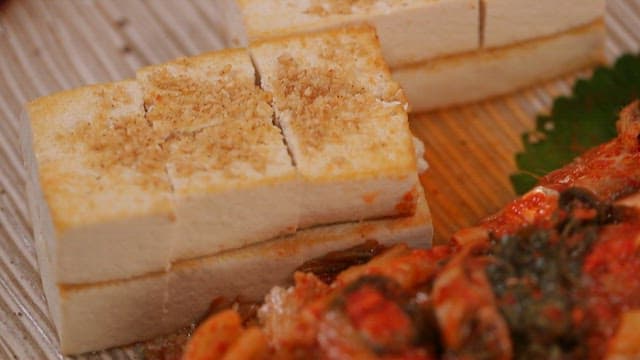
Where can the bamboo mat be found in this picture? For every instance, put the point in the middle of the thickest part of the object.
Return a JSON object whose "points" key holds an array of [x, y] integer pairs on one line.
{"points": [[51, 45]]}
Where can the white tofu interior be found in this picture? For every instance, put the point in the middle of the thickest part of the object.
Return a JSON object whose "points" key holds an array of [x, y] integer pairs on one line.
{"points": [[251, 272], [513, 21], [185, 168], [344, 121], [103, 215], [473, 77], [420, 36], [227, 162], [99, 316], [409, 31], [187, 162], [103, 315]]}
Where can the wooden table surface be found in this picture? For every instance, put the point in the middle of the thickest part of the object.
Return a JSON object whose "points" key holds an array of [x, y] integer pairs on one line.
{"points": [[51, 45]]}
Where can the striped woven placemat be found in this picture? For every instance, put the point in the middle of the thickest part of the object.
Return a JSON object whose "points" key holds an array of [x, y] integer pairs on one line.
{"points": [[51, 45]]}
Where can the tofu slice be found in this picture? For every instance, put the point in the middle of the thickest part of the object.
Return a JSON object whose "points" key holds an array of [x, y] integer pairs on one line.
{"points": [[409, 30], [98, 193], [99, 316], [345, 123], [249, 274], [115, 313], [227, 162], [508, 22], [488, 73]]}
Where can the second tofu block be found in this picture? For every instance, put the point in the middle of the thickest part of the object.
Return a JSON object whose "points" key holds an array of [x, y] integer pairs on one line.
{"points": [[508, 22], [345, 123], [410, 30], [97, 187], [227, 161]]}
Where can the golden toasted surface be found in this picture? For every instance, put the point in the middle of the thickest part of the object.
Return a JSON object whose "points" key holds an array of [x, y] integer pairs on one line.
{"points": [[114, 142], [315, 94], [411, 31], [98, 159], [191, 93], [337, 104], [214, 119], [201, 124], [99, 149]]}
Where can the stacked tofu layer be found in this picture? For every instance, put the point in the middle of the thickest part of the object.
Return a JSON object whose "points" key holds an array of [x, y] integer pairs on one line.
{"points": [[446, 52], [152, 197], [344, 163]]}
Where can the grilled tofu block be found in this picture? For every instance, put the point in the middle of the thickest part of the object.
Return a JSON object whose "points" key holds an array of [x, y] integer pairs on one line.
{"points": [[98, 189], [410, 31], [508, 22], [102, 315], [226, 161], [492, 72], [345, 122]]}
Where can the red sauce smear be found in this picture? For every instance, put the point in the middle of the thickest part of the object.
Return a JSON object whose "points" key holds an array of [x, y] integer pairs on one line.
{"points": [[613, 268], [533, 209], [379, 318], [609, 170]]}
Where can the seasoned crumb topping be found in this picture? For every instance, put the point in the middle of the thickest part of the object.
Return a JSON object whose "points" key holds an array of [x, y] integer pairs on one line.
{"points": [[217, 148], [115, 142], [346, 7], [179, 101], [194, 125], [209, 125], [328, 106]]}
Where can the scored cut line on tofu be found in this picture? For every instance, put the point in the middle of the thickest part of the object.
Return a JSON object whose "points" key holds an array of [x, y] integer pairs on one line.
{"points": [[334, 99], [227, 160], [345, 122], [204, 134], [91, 191], [418, 33], [111, 154], [100, 134], [413, 31], [209, 109], [176, 106], [410, 30], [189, 285]]}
